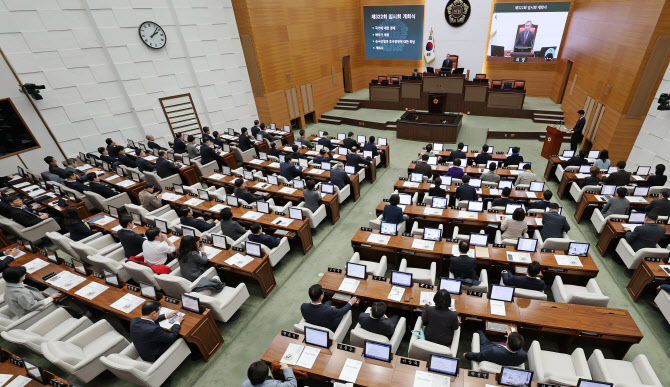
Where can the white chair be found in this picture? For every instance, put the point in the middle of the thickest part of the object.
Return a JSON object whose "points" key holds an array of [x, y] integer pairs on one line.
{"points": [[112, 261], [57, 325], [507, 242], [157, 181], [657, 189], [462, 204], [536, 211], [463, 237], [206, 169], [342, 193], [218, 193], [560, 170], [622, 373], [376, 224], [422, 349], [485, 366], [424, 276], [557, 368], [32, 233], [553, 243], [147, 216], [242, 156], [275, 255], [102, 204], [583, 295], [632, 258], [417, 231], [175, 285], [128, 365], [662, 300], [371, 267], [359, 335], [576, 191], [225, 303], [315, 218], [483, 286], [527, 293], [80, 354], [102, 246], [195, 187], [9, 321], [599, 221], [145, 273], [337, 336], [63, 241]]}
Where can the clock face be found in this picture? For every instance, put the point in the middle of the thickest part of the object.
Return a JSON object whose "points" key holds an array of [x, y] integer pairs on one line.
{"points": [[152, 35]]}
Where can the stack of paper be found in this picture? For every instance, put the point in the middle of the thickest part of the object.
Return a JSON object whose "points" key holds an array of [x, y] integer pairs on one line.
{"points": [[498, 308], [261, 185], [514, 172], [350, 370], [173, 238], [516, 256], [568, 260], [151, 158], [35, 265], [426, 298], [427, 379], [194, 202], [630, 226], [531, 195], [91, 290], [468, 214], [312, 153], [125, 183], [36, 192], [432, 211], [495, 191], [217, 176], [217, 207], [581, 175], [4, 378], [239, 260], [308, 357], [84, 167], [632, 199], [104, 220], [65, 280], [423, 244], [168, 322], [282, 221], [20, 381], [396, 293], [170, 197], [600, 198], [481, 252], [287, 190], [114, 176], [410, 184], [253, 215], [127, 303], [316, 171], [379, 239], [666, 268], [20, 185], [256, 161], [538, 221], [638, 178], [349, 285], [274, 165], [212, 251]]}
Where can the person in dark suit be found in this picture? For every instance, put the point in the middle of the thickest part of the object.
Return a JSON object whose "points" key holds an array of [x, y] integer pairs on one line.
{"points": [[458, 153], [645, 236], [620, 177], [526, 38], [325, 141], [322, 156], [123, 158], [416, 75], [377, 322], [578, 159], [72, 182], [243, 193], [447, 64], [217, 141], [553, 224], [179, 146], [187, 219], [96, 186], [354, 159], [392, 213], [266, 135], [71, 166], [54, 168], [244, 142], [509, 355], [148, 337], [542, 204], [504, 200], [371, 147], [274, 151], [208, 154], [658, 178], [484, 157], [349, 142], [205, 134], [515, 158], [258, 236], [440, 320], [423, 168], [296, 155], [289, 171], [464, 266], [592, 179], [339, 177], [304, 142], [24, 215], [322, 313], [530, 281], [466, 191], [255, 129], [577, 135], [130, 240], [142, 163], [112, 147], [104, 156], [164, 168], [78, 230], [436, 190], [229, 227], [152, 144], [7, 257], [660, 206]]}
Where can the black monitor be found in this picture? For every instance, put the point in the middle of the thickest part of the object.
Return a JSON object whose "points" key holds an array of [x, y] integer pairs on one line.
{"points": [[161, 225], [578, 249], [592, 383], [34, 372], [188, 231], [475, 206], [515, 377], [79, 266], [387, 228], [502, 293], [453, 286], [356, 270], [192, 304], [479, 240], [526, 244], [52, 256], [263, 207], [377, 351], [443, 365], [432, 234], [637, 217], [111, 278], [439, 202], [317, 337], [114, 212], [497, 50], [148, 290], [253, 249], [219, 241], [401, 278]]}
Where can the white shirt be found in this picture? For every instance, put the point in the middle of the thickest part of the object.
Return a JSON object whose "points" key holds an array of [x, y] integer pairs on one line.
{"points": [[155, 252]]}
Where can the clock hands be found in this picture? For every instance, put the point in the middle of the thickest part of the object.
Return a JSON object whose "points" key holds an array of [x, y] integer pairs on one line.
{"points": [[155, 32]]}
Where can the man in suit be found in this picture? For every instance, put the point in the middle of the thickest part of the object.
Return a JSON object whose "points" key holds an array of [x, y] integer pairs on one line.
{"points": [[349, 142], [377, 322], [7, 257], [255, 129], [104, 156], [660, 206], [98, 187], [130, 240], [123, 158], [578, 159], [515, 158], [187, 219], [509, 355], [150, 197], [152, 144], [148, 337], [392, 213], [322, 313], [466, 191], [325, 141], [526, 177], [111, 147], [179, 146], [243, 193], [617, 204], [577, 135], [24, 215], [244, 142], [484, 157], [553, 224], [423, 168], [530, 281], [71, 166], [54, 168], [258, 236], [464, 266], [297, 155], [274, 151], [416, 75], [258, 376], [491, 174], [447, 64], [354, 159], [436, 189], [592, 179], [526, 38], [142, 163], [217, 141], [267, 135], [289, 171], [304, 141], [229, 227], [164, 168], [458, 153], [72, 182], [620, 177], [208, 154], [542, 204], [206, 135], [339, 177], [324, 156], [371, 147], [647, 235], [504, 199]]}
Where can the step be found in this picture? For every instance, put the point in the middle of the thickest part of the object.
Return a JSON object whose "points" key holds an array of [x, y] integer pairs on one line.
{"points": [[544, 121], [547, 115], [344, 107], [330, 121], [353, 103]]}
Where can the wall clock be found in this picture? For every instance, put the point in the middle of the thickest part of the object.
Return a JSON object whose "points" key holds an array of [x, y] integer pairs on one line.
{"points": [[152, 34]]}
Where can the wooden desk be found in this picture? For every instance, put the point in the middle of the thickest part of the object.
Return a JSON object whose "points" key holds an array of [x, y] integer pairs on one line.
{"points": [[384, 150], [444, 154], [405, 186], [504, 173], [569, 177], [370, 168], [646, 274], [8, 368], [132, 190], [588, 201], [330, 201], [613, 231], [188, 172], [198, 329], [52, 203], [420, 126]]}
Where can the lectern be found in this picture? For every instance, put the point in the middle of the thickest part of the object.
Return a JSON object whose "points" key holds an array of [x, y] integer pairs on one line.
{"points": [[552, 142], [436, 102]]}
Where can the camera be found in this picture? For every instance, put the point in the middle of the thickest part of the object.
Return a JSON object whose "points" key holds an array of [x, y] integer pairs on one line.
{"points": [[664, 102], [33, 90]]}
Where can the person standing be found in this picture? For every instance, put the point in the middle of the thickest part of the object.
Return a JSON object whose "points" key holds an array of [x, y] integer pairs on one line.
{"points": [[577, 135]]}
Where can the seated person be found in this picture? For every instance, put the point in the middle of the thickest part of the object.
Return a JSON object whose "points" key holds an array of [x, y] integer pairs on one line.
{"points": [[304, 141], [98, 187], [217, 139], [186, 218], [149, 338], [423, 168], [660, 206], [296, 155], [258, 236], [150, 197], [178, 145], [321, 158], [416, 76], [130, 240], [104, 156], [243, 141], [370, 146], [657, 179], [123, 158], [578, 159], [243, 193], [142, 163], [553, 223], [526, 177], [205, 134], [72, 167], [620, 177], [436, 190], [152, 144], [209, 154], [458, 153], [517, 226], [111, 147], [289, 171], [377, 322], [349, 142], [603, 161], [72, 183], [339, 177], [509, 355], [354, 159], [592, 179], [7, 257], [266, 135], [515, 158], [229, 227], [464, 266], [191, 148], [78, 230], [455, 171], [530, 281], [491, 174], [157, 247], [440, 320], [542, 204], [484, 157], [24, 215], [427, 150], [504, 199], [274, 151], [165, 168], [647, 235], [325, 141], [324, 314], [22, 299], [392, 213], [312, 196], [54, 168], [258, 376], [466, 191]]}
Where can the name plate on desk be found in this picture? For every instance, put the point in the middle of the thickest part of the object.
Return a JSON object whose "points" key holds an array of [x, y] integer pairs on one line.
{"points": [[421, 204], [238, 249], [548, 385], [653, 259], [98, 275], [473, 293], [289, 334], [344, 347], [407, 234], [410, 362], [494, 211], [218, 200], [56, 383], [452, 240], [479, 374], [403, 178], [617, 220], [366, 229], [548, 250], [334, 270], [68, 264], [192, 194], [171, 300], [133, 288], [16, 361], [385, 200], [379, 278], [46, 277], [425, 286], [499, 245]]}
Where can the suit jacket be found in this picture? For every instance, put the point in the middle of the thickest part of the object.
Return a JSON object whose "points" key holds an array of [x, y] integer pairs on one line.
{"points": [[415, 77], [298, 156], [525, 178], [576, 161], [153, 145], [102, 190], [274, 152], [513, 160], [144, 165], [131, 242], [579, 128], [618, 178], [349, 142], [392, 214], [6, 259], [324, 315], [109, 159], [290, 381], [179, 146], [206, 137], [381, 326], [501, 202], [289, 171], [645, 236], [232, 229], [5, 209], [127, 161], [77, 172], [464, 267], [192, 150], [660, 207], [265, 239], [312, 199], [165, 168], [150, 340], [447, 64], [490, 176], [111, 150], [657, 180], [553, 225], [247, 196], [196, 223], [244, 143], [437, 191], [423, 168], [590, 180], [77, 186], [305, 142], [23, 299], [57, 171], [254, 130], [320, 159], [523, 281], [79, 231], [457, 154], [339, 178], [497, 354], [355, 159], [525, 41], [326, 142], [25, 216], [539, 205], [466, 192], [268, 136], [483, 158], [371, 147], [207, 154], [616, 205]]}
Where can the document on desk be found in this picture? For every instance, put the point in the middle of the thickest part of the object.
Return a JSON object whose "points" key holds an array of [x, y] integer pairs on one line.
{"points": [[65, 280], [600, 198], [481, 252], [427, 379], [217, 176], [426, 298], [498, 308], [531, 195], [568, 260], [411, 184], [423, 244], [581, 175], [630, 226], [312, 153], [253, 215], [151, 158], [274, 165], [116, 228], [666, 269], [349, 285], [238, 260], [455, 252], [316, 171], [350, 370], [632, 199], [262, 185], [20, 381], [173, 238], [292, 354], [433, 211], [282, 221], [127, 303], [114, 176], [396, 293], [379, 239], [638, 178], [517, 256], [194, 202], [495, 191], [84, 167], [308, 357], [514, 172], [170, 197], [563, 158], [91, 290], [211, 251], [256, 161], [4, 378], [36, 193], [20, 254], [104, 220], [468, 214], [287, 190], [20, 185], [125, 183], [217, 207], [538, 221], [168, 322], [35, 265]]}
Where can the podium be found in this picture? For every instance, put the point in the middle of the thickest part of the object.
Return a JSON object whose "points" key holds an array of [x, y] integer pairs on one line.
{"points": [[436, 102], [552, 142]]}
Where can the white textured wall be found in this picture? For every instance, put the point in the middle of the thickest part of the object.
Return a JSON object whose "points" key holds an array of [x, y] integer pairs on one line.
{"points": [[467, 41], [102, 81], [652, 145]]}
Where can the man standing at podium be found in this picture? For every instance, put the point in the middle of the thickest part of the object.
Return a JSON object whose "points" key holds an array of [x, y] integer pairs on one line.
{"points": [[525, 40], [576, 132]]}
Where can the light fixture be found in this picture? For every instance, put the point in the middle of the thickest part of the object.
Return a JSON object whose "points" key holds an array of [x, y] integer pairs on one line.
{"points": [[664, 102], [33, 90]]}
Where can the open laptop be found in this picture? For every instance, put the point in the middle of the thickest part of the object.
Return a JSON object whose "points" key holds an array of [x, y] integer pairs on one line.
{"points": [[607, 191]]}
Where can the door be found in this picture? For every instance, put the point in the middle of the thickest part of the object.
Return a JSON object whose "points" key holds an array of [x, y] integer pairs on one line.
{"points": [[564, 82], [346, 73]]}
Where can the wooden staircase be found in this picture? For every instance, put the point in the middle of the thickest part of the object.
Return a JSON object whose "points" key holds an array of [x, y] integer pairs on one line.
{"points": [[547, 116], [344, 104]]}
